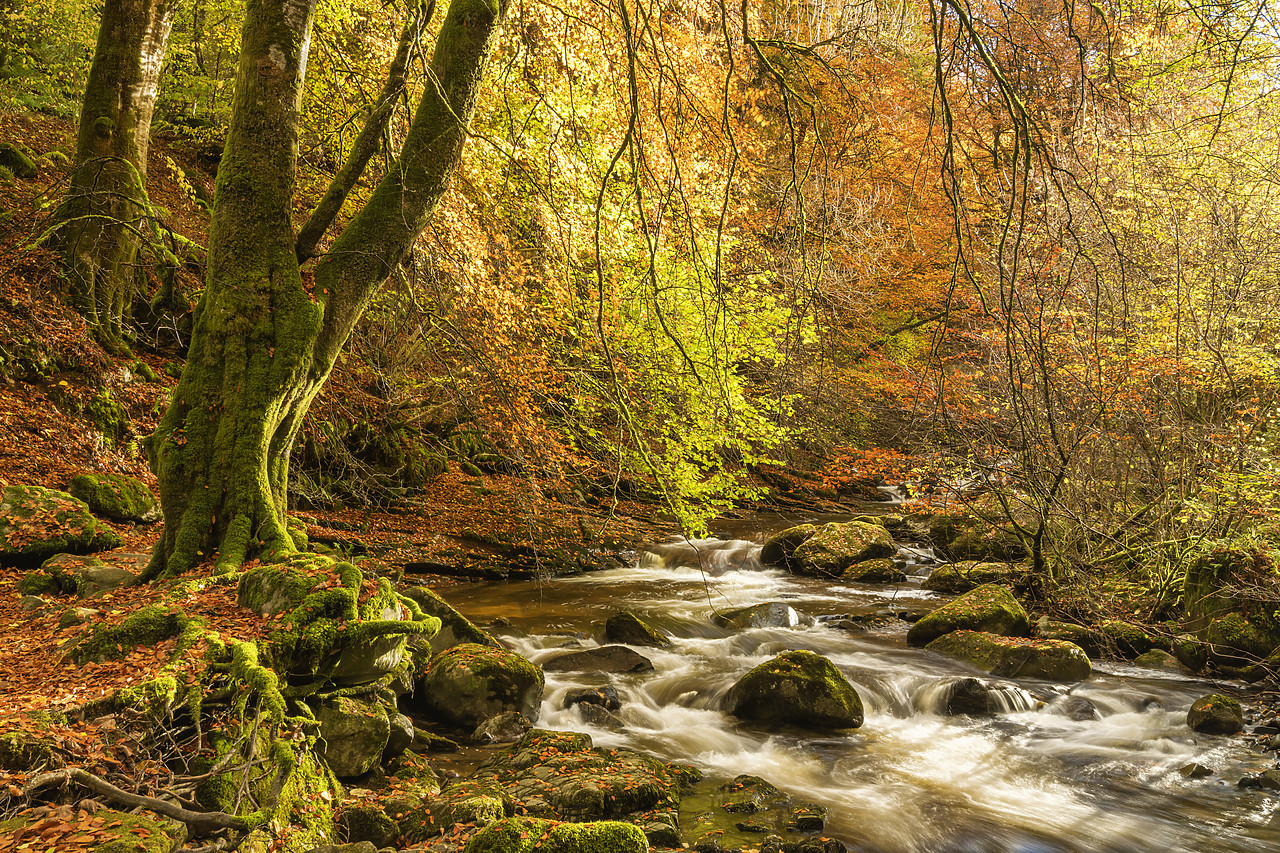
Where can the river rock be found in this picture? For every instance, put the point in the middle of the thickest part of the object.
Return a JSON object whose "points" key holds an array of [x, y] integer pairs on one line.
{"points": [[779, 549], [455, 629], [1086, 638], [1216, 714], [116, 496], [1015, 657], [562, 774], [1161, 660], [605, 696], [536, 835], [796, 688], [967, 696], [1127, 639], [508, 727], [399, 736], [353, 735], [113, 832], [956, 578], [835, 547], [770, 614], [37, 523], [748, 794], [989, 608], [1075, 708], [630, 630], [603, 659], [874, 571], [470, 683]]}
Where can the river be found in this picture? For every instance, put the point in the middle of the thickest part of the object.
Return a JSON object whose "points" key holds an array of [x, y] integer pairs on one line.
{"points": [[912, 779]]}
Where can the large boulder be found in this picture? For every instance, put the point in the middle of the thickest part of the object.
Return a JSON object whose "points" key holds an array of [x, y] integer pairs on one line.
{"points": [[603, 659], [562, 775], [981, 531], [110, 831], [470, 683], [37, 523], [1013, 657], [353, 735], [1089, 639], [769, 614], [836, 547], [1127, 639], [798, 688], [116, 496], [957, 578], [630, 630], [874, 571], [779, 549], [1238, 629], [989, 608], [537, 835], [1215, 714]]}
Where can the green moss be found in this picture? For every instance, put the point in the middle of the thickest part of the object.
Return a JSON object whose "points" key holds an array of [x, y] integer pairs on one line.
{"points": [[123, 833], [780, 548], [370, 823], [37, 523], [1128, 640], [116, 496], [143, 370], [797, 688], [1007, 657], [144, 627], [1215, 714], [105, 413], [836, 547], [956, 578], [39, 583], [533, 835], [469, 683], [989, 608]]}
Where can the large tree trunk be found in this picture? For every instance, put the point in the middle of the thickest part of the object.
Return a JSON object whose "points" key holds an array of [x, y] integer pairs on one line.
{"points": [[103, 219], [263, 346]]}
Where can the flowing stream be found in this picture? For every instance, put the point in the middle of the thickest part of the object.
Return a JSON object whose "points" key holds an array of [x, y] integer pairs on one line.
{"points": [[1033, 779]]}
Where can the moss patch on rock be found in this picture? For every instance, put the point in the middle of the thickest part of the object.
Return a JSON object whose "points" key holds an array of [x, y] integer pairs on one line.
{"points": [[1216, 714], [835, 547], [467, 684], [116, 496], [874, 571], [112, 832], [1014, 657], [989, 608], [629, 629], [535, 835], [796, 688], [37, 523], [779, 549], [957, 578]]}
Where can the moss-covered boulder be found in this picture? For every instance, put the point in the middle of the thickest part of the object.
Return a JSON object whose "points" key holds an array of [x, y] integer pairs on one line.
{"points": [[535, 835], [37, 523], [455, 629], [17, 161], [796, 688], [957, 578], [990, 608], [1234, 640], [835, 547], [1190, 651], [630, 630], [1015, 657], [769, 614], [1088, 639], [116, 496], [874, 571], [980, 531], [1127, 639], [106, 831], [1216, 714], [369, 822], [779, 549], [561, 775], [353, 735], [470, 683], [146, 626], [1162, 661], [335, 625]]}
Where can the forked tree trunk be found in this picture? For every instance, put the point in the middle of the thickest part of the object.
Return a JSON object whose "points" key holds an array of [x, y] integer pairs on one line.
{"points": [[263, 346], [103, 219]]}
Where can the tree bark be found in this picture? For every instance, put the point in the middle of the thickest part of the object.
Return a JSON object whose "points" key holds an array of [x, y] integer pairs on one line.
{"points": [[263, 346], [102, 222]]}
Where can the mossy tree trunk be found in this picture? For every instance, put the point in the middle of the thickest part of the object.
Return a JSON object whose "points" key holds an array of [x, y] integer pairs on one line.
{"points": [[263, 346], [102, 220]]}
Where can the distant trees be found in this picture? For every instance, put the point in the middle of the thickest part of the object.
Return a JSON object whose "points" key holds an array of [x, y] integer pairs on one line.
{"points": [[105, 218]]}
